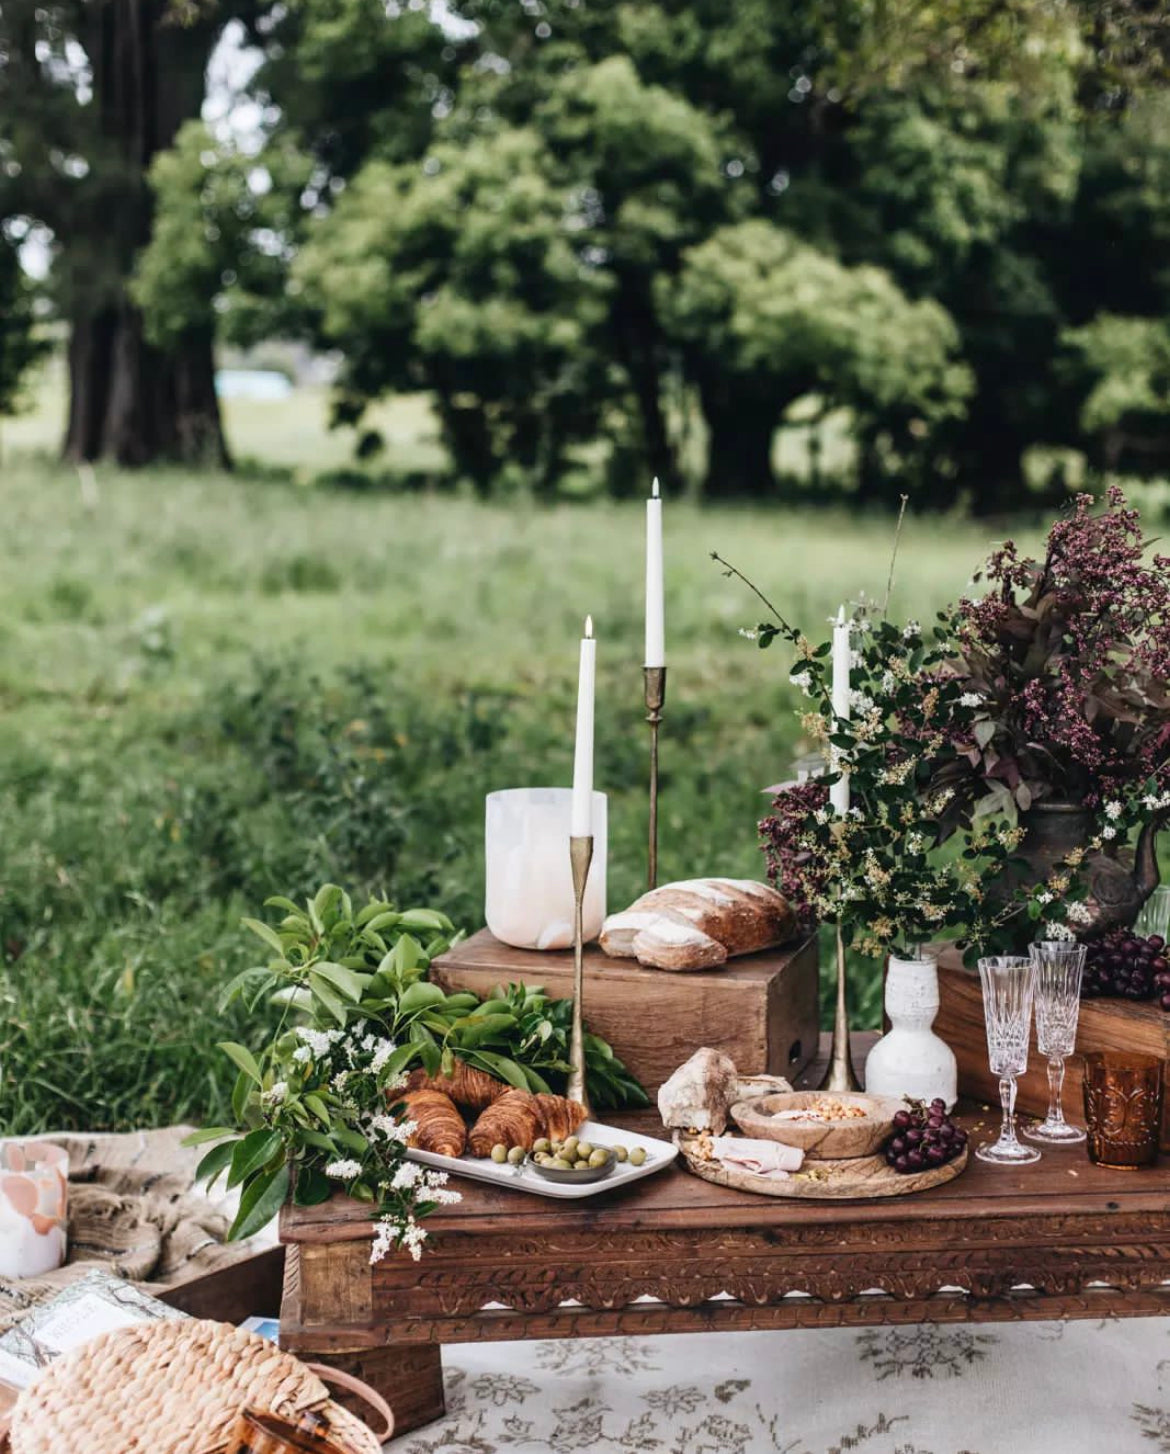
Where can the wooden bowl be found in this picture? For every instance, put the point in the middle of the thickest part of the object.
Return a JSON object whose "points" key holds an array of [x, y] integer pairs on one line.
{"points": [[820, 1140]]}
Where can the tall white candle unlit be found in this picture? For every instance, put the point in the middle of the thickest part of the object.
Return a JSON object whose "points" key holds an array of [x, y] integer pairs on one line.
{"points": [[582, 817], [842, 650], [655, 604]]}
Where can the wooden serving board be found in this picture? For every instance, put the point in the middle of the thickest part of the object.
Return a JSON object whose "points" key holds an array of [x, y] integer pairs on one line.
{"points": [[858, 1179]]}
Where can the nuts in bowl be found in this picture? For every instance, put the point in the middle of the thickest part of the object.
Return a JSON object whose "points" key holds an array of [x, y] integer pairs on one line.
{"points": [[826, 1125]]}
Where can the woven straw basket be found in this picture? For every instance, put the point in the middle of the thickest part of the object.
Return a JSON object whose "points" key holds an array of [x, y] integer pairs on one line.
{"points": [[171, 1387]]}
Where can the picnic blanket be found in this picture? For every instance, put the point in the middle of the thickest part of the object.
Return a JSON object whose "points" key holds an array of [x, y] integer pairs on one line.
{"points": [[133, 1209]]}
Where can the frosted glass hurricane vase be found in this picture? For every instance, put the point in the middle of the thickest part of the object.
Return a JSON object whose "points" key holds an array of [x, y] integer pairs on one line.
{"points": [[910, 1059], [529, 880]]}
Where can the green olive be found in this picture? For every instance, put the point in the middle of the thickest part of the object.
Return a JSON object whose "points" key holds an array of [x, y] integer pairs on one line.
{"points": [[585, 1149], [599, 1158], [499, 1152], [542, 1145], [580, 1165], [516, 1156], [620, 1153], [569, 1147], [637, 1156], [560, 1164]]}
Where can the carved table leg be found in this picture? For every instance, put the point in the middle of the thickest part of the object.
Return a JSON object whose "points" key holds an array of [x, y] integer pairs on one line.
{"points": [[409, 1376]]}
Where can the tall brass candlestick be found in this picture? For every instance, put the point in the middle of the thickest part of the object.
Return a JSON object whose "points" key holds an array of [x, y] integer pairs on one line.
{"points": [[580, 856], [655, 700], [840, 1075]]}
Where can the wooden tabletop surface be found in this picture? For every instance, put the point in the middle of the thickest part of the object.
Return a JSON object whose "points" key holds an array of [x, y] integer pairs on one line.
{"points": [[1063, 1182]]}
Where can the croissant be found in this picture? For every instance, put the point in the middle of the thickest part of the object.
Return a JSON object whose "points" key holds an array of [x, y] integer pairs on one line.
{"points": [[466, 1086], [559, 1116], [512, 1120], [438, 1125]]}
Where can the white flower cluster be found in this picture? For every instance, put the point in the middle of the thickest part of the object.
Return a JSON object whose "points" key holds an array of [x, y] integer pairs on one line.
{"points": [[344, 1170], [1113, 811], [749, 633], [1155, 802], [405, 1232], [275, 1095], [318, 1042], [390, 1233], [1078, 913], [1059, 931], [394, 1133], [970, 699], [860, 701], [803, 681], [910, 630], [383, 1053]]}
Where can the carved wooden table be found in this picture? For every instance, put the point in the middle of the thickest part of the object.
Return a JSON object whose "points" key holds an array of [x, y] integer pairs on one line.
{"points": [[1061, 1239]]}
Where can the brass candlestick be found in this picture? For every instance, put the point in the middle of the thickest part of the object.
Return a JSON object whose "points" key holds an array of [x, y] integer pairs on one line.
{"points": [[580, 856], [840, 1075], [655, 677]]}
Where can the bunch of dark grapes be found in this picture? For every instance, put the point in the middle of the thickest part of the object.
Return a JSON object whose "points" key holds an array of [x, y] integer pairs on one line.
{"points": [[924, 1136], [1120, 963], [1161, 970]]}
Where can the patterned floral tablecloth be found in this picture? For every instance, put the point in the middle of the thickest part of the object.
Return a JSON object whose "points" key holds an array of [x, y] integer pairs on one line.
{"points": [[1035, 1388]]}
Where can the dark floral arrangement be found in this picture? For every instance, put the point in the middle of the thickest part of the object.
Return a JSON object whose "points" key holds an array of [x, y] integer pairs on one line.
{"points": [[1070, 657]]}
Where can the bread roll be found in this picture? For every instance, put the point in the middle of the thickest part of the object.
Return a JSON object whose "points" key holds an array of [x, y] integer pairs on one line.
{"points": [[699, 923], [700, 1094]]}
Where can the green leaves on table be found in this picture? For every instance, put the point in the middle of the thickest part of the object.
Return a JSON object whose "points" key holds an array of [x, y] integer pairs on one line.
{"points": [[350, 983]]}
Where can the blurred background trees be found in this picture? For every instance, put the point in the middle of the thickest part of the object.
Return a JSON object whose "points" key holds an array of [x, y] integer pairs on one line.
{"points": [[612, 238]]}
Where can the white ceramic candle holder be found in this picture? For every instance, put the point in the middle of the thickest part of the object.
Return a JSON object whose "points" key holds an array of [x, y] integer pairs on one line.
{"points": [[34, 1182], [529, 880]]}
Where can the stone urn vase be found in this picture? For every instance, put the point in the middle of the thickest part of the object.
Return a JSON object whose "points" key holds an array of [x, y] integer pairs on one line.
{"points": [[910, 1059], [1119, 882]]}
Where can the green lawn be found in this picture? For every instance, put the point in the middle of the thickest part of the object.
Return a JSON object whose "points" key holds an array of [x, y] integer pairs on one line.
{"points": [[215, 688]]}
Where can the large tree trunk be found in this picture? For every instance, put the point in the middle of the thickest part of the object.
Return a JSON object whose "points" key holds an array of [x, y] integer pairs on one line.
{"points": [[129, 401], [639, 348], [740, 434]]}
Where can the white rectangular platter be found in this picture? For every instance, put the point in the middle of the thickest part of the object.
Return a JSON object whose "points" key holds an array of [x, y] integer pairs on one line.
{"points": [[659, 1155]]}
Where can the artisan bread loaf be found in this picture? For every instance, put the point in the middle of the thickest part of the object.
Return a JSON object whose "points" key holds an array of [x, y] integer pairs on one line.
{"points": [[698, 923]]}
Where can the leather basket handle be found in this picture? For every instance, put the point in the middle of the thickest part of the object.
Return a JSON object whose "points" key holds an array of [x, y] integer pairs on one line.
{"points": [[338, 1379]]}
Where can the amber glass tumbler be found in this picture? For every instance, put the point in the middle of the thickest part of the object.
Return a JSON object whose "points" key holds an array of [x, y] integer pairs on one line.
{"points": [[257, 1432], [1123, 1107]]}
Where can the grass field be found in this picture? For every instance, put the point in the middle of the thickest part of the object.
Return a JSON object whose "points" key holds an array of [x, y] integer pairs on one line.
{"points": [[215, 688]]}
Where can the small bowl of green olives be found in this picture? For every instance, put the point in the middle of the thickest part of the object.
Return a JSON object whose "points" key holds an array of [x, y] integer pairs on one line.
{"points": [[577, 1160]]}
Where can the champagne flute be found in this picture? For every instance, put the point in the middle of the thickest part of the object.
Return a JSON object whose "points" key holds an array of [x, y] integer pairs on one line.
{"points": [[1009, 984], [1060, 967]]}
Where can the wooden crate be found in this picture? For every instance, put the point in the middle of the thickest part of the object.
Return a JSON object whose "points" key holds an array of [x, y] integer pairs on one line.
{"points": [[1105, 1024], [761, 1009]]}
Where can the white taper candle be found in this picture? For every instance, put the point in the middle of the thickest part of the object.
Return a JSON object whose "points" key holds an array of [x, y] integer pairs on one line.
{"points": [[842, 651], [655, 604], [582, 815]]}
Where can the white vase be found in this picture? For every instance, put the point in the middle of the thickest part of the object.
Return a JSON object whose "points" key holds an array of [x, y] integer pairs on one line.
{"points": [[911, 1060]]}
